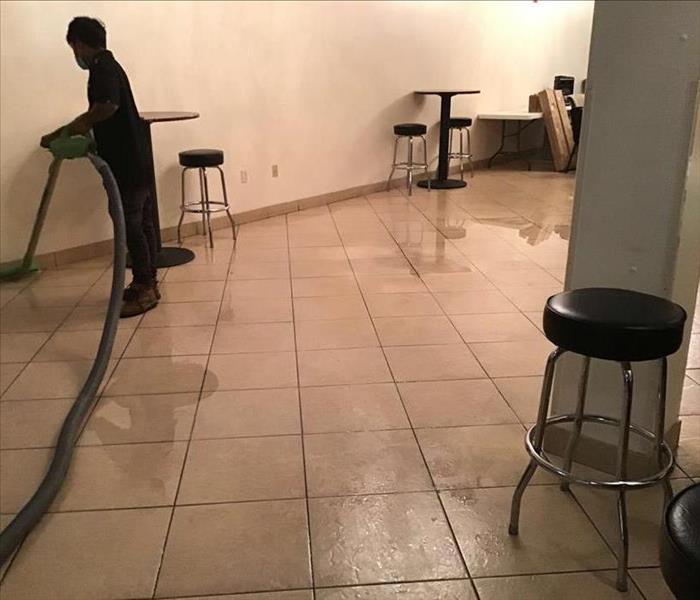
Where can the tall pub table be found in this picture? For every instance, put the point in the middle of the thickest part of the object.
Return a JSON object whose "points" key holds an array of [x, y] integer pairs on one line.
{"points": [[168, 256], [442, 182]]}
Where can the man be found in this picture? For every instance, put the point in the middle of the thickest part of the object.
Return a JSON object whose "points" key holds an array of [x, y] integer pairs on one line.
{"points": [[118, 131]]}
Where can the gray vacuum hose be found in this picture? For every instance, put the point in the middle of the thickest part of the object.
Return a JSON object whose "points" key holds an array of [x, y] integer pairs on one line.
{"points": [[13, 535]]}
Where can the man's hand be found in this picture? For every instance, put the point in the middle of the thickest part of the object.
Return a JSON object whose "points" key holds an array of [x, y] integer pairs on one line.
{"points": [[50, 137]]}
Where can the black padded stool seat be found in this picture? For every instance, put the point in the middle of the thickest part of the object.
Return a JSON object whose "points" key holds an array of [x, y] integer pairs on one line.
{"points": [[460, 122], [410, 129], [202, 158], [614, 324], [679, 546]]}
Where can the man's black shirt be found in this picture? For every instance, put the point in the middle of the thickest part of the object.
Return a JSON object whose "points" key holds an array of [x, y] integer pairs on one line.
{"points": [[120, 138]]}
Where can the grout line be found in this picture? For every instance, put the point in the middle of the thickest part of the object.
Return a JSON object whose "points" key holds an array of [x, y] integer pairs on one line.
{"points": [[251, 389], [444, 312], [610, 570], [491, 379], [108, 374], [415, 438], [453, 534], [275, 435], [634, 581], [590, 519], [187, 449], [301, 426], [103, 386], [676, 465], [426, 490], [51, 333], [386, 584]]}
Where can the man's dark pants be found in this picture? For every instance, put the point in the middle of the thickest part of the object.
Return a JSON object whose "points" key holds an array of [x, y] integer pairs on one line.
{"points": [[141, 237]]}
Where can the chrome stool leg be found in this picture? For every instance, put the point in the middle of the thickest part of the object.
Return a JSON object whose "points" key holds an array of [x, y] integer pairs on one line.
{"points": [[207, 210], [539, 439], [661, 426], [461, 154], [621, 583], [393, 163], [409, 165], [425, 161], [226, 205], [202, 201], [469, 152], [182, 205], [622, 450], [450, 154], [578, 423]]}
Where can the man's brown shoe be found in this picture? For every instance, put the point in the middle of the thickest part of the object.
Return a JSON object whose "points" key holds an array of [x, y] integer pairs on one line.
{"points": [[156, 288], [138, 299]]}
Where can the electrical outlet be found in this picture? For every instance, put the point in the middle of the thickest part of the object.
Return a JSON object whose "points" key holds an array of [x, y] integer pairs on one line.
{"points": [[244, 176], [275, 171]]}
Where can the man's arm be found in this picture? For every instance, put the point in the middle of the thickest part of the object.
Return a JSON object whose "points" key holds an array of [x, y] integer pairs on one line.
{"points": [[99, 111]]}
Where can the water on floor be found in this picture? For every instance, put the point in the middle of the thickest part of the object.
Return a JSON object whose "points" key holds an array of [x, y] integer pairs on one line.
{"points": [[334, 411]]}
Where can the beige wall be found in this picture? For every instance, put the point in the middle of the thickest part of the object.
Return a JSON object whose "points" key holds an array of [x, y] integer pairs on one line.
{"points": [[311, 86]]}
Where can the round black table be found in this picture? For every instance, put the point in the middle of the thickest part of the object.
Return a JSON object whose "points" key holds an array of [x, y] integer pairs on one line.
{"points": [[167, 256], [442, 182]]}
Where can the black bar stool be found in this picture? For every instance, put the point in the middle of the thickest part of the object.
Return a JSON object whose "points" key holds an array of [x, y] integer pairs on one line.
{"points": [[202, 159], [409, 131], [461, 124], [615, 325]]}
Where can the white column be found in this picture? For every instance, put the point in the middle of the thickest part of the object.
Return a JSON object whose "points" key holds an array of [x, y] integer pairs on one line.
{"points": [[636, 221]]}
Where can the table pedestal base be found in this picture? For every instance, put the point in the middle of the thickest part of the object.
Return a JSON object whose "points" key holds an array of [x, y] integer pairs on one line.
{"points": [[443, 184], [170, 257], [173, 256]]}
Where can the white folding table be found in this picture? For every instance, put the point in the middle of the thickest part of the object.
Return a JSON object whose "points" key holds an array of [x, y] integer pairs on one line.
{"points": [[523, 120]]}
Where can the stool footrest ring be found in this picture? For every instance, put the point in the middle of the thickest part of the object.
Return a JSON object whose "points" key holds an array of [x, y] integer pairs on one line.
{"points": [[542, 461], [413, 166], [196, 207]]}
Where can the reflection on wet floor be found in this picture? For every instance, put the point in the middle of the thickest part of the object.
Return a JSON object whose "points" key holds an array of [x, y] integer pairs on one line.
{"points": [[333, 410]]}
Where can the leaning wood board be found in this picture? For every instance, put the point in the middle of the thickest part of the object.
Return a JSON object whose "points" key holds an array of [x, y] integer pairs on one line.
{"points": [[559, 132], [565, 120]]}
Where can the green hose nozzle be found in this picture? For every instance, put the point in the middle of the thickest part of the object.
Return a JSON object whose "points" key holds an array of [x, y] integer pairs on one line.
{"points": [[68, 147]]}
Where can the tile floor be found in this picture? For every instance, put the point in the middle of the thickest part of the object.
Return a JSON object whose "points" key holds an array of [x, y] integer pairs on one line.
{"points": [[334, 411]]}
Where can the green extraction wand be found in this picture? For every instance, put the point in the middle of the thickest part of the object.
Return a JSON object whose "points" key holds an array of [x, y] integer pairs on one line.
{"points": [[63, 147]]}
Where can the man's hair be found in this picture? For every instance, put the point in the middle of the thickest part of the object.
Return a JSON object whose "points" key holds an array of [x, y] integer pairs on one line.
{"points": [[87, 30]]}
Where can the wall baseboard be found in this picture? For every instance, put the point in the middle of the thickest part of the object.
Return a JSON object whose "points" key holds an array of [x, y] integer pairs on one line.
{"points": [[63, 258]]}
